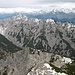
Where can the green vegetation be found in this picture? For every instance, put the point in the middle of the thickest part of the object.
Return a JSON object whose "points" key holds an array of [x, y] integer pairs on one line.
{"points": [[68, 68], [7, 47], [57, 69], [39, 45]]}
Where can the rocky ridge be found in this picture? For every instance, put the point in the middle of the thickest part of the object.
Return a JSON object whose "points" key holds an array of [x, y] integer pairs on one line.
{"points": [[23, 62], [46, 35]]}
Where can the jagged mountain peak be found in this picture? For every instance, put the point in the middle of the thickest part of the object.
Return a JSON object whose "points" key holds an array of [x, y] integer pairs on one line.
{"points": [[19, 16]]}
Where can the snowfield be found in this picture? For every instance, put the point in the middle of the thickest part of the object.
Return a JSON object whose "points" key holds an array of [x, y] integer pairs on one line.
{"points": [[46, 70]]}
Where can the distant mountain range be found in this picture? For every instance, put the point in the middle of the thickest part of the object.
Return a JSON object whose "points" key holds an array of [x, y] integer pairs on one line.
{"points": [[61, 12]]}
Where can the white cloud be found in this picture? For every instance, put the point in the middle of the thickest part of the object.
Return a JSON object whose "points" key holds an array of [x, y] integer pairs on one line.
{"points": [[47, 1], [64, 7], [28, 3], [16, 3]]}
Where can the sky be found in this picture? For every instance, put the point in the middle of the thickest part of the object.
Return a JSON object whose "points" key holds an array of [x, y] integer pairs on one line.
{"points": [[28, 3]]}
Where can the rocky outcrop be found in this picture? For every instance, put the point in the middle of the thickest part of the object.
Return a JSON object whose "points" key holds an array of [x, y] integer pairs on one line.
{"points": [[23, 62], [47, 35]]}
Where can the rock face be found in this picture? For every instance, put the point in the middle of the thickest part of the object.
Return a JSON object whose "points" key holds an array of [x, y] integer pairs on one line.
{"points": [[15, 64], [25, 63], [26, 43], [47, 35]]}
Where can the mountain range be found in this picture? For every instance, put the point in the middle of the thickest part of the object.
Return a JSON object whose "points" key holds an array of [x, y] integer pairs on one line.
{"points": [[61, 12], [32, 46], [46, 35]]}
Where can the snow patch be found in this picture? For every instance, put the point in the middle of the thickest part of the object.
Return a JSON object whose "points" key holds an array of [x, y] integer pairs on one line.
{"points": [[61, 74], [20, 16], [36, 20], [47, 65], [67, 60], [44, 71], [49, 20]]}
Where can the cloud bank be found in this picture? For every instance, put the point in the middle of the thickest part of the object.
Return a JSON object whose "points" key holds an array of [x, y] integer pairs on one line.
{"points": [[28, 3]]}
